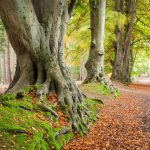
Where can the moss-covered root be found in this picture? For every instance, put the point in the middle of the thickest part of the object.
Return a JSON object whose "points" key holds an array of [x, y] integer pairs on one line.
{"points": [[25, 125]]}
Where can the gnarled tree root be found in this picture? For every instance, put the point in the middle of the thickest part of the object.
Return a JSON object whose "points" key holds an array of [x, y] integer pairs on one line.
{"points": [[44, 107], [69, 96]]}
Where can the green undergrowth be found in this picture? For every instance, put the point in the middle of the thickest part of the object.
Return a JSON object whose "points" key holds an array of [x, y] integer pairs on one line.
{"points": [[23, 125], [97, 88]]}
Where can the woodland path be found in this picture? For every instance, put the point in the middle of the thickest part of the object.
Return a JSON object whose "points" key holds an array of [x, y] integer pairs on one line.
{"points": [[124, 123]]}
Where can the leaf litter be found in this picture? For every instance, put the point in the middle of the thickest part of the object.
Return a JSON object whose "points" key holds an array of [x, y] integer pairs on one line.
{"points": [[124, 123]]}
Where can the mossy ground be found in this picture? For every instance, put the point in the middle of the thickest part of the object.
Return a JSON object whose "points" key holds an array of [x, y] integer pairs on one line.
{"points": [[97, 88], [23, 125]]}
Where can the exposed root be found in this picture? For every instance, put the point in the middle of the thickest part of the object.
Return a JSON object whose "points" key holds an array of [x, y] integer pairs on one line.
{"points": [[98, 100], [68, 95], [64, 131], [25, 108], [44, 90], [20, 84], [107, 82], [44, 107], [17, 131], [71, 98], [73, 102], [102, 79], [40, 74]]}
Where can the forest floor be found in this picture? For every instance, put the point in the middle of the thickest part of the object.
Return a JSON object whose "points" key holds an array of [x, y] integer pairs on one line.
{"points": [[124, 123]]}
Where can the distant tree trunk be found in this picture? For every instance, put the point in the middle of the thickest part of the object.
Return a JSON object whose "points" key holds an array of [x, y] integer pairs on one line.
{"points": [[4, 73], [95, 62], [1, 66], [81, 71], [8, 65], [36, 31], [123, 55], [118, 46]]}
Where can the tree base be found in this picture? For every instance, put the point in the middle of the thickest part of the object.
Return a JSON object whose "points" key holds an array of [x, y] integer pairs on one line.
{"points": [[70, 100], [104, 80]]}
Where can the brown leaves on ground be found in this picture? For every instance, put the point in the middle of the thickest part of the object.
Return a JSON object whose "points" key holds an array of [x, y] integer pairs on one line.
{"points": [[41, 117], [124, 124], [53, 97], [33, 95], [63, 120]]}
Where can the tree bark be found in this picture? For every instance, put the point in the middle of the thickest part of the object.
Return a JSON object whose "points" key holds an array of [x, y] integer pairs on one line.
{"points": [[123, 55], [36, 32], [95, 62]]}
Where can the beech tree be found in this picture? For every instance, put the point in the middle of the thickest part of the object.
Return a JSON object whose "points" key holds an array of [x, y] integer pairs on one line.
{"points": [[36, 30], [95, 62], [123, 55]]}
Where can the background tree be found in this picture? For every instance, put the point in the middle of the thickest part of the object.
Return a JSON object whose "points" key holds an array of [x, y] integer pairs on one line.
{"points": [[8, 71], [95, 62], [5, 50], [140, 41], [123, 55]]}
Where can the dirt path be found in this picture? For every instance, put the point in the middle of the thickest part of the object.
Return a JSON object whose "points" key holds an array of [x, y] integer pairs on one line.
{"points": [[124, 123]]}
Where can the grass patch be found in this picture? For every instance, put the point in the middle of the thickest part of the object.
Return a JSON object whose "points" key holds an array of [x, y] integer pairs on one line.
{"points": [[97, 88]]}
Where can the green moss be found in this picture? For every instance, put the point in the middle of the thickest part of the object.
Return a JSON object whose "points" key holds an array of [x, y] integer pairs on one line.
{"points": [[96, 88], [94, 107], [19, 115], [18, 104], [7, 136], [29, 89], [36, 142], [117, 93], [7, 97], [7, 121], [62, 140], [21, 128]]}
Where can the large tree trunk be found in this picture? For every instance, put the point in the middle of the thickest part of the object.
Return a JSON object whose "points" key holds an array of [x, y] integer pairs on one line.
{"points": [[123, 54], [36, 32], [95, 62]]}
